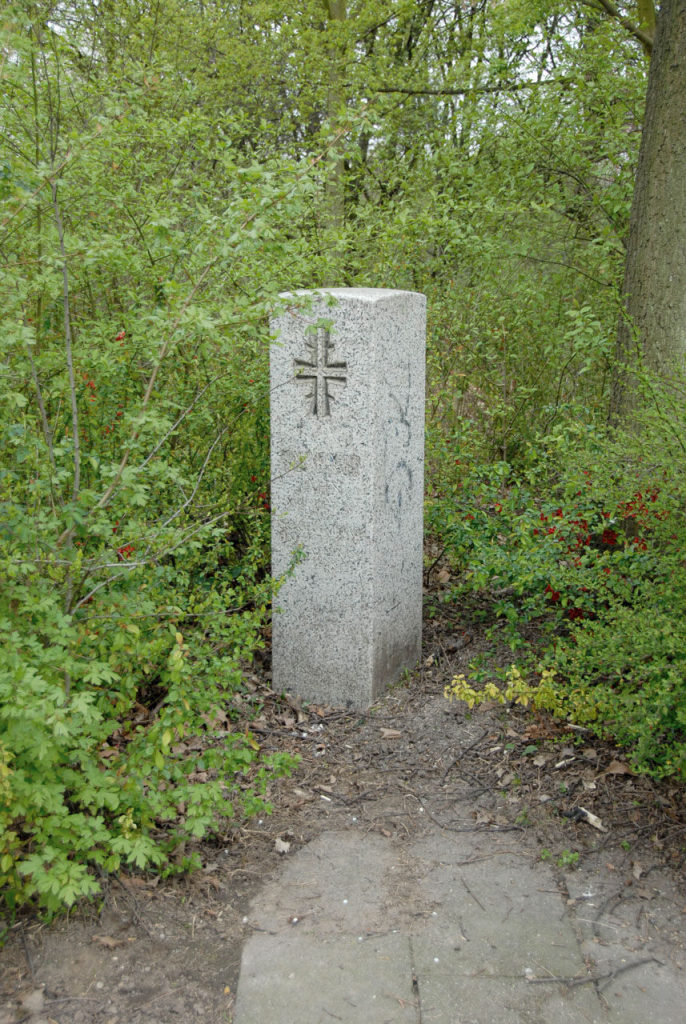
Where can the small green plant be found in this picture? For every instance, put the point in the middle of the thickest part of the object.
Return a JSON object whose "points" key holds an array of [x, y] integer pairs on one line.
{"points": [[546, 854], [568, 859], [516, 689], [523, 817]]}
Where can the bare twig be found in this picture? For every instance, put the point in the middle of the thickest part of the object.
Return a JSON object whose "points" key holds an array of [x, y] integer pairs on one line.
{"points": [[644, 38], [591, 979], [68, 343], [47, 429]]}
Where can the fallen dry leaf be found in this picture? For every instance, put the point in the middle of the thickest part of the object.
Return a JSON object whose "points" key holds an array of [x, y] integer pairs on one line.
{"points": [[593, 819], [108, 942], [281, 846], [617, 768], [303, 794], [390, 734]]}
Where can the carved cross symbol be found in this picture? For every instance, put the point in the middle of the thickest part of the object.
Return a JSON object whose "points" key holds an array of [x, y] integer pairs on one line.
{"points": [[320, 371]]}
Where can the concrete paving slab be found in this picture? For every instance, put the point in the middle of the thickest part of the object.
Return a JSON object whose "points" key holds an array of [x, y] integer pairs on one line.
{"points": [[452, 929], [298, 978]]}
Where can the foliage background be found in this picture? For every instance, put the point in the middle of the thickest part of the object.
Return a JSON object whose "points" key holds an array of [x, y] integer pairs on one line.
{"points": [[166, 170]]}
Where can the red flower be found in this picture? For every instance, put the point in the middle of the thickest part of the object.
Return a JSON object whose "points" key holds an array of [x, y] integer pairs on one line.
{"points": [[609, 537], [125, 552], [575, 613], [120, 336]]}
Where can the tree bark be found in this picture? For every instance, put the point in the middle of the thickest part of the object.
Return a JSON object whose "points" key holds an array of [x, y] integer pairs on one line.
{"points": [[654, 290]]}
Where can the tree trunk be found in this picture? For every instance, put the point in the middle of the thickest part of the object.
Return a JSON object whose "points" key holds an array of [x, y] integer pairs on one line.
{"points": [[654, 291]]}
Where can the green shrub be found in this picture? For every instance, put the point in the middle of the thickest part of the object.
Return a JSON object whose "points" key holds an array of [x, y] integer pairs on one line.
{"points": [[581, 557], [115, 729]]}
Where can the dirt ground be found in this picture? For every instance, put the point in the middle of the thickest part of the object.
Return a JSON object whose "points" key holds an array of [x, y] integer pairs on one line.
{"points": [[158, 952]]}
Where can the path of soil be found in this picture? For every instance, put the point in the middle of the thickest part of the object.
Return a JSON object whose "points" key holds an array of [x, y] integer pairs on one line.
{"points": [[159, 952]]}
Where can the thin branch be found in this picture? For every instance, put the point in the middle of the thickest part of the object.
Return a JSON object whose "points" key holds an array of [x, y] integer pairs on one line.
{"points": [[47, 429], [592, 979], [644, 38], [180, 420], [468, 90], [48, 180], [68, 345], [189, 499]]}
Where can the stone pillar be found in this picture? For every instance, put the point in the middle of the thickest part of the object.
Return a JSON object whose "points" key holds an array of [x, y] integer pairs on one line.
{"points": [[347, 465]]}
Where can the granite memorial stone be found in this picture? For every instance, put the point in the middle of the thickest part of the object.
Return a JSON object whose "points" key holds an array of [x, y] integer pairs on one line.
{"points": [[347, 461]]}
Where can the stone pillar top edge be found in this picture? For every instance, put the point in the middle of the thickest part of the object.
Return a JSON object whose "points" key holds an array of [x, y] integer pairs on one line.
{"points": [[362, 294]]}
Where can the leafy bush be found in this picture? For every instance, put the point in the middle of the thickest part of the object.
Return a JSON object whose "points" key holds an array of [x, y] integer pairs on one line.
{"points": [[115, 745], [134, 296], [588, 584]]}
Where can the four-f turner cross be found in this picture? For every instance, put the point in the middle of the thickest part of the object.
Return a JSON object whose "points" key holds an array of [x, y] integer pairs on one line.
{"points": [[320, 371]]}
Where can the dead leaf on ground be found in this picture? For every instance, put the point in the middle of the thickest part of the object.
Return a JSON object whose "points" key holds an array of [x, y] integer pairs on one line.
{"points": [[592, 819], [108, 942], [318, 709], [617, 768], [390, 734], [281, 846], [484, 818], [137, 882]]}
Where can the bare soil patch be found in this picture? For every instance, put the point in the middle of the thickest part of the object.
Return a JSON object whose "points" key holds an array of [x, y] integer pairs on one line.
{"points": [[156, 952]]}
